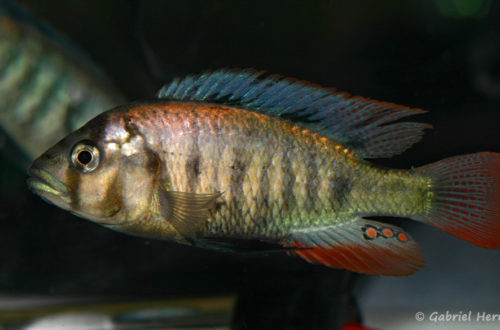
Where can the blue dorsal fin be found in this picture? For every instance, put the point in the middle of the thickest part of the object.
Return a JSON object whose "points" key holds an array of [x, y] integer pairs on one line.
{"points": [[358, 123]]}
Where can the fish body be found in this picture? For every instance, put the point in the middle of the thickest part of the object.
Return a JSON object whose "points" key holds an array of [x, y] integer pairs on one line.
{"points": [[47, 86], [233, 155], [273, 176]]}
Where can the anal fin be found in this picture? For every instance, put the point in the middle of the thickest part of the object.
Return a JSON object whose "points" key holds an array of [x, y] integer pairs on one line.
{"points": [[186, 211], [360, 245]]}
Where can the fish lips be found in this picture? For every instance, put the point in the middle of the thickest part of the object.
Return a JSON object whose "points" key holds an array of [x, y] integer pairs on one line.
{"points": [[50, 189], [53, 191]]}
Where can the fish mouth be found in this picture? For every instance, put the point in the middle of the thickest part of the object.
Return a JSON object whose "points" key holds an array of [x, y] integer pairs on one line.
{"points": [[48, 187]]}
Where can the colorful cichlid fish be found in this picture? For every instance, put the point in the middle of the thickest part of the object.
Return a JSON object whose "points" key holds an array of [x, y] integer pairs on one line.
{"points": [[239, 156]]}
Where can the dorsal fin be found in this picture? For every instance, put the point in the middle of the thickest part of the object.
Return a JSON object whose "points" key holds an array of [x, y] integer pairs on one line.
{"points": [[356, 122]]}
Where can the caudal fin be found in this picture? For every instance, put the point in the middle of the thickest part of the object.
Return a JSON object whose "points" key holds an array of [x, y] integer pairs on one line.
{"points": [[466, 199]]}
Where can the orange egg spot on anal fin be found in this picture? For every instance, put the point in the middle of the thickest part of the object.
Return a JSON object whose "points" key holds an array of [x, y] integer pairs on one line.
{"points": [[371, 233], [359, 246], [388, 232], [402, 237]]}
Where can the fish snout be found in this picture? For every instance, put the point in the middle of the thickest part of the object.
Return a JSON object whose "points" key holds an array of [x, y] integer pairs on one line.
{"points": [[43, 183]]}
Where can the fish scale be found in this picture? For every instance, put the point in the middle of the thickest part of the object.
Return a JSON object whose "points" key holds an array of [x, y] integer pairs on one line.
{"points": [[250, 201], [234, 157]]}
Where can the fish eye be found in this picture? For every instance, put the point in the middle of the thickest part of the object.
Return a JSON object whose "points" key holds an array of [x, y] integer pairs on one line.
{"points": [[85, 156]]}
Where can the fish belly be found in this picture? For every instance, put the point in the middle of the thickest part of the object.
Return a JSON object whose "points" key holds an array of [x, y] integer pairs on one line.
{"points": [[274, 176]]}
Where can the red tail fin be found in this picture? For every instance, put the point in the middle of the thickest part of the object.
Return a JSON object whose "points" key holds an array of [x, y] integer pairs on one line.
{"points": [[466, 201]]}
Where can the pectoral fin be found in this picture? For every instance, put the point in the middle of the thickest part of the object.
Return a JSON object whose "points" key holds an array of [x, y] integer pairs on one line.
{"points": [[186, 211]]}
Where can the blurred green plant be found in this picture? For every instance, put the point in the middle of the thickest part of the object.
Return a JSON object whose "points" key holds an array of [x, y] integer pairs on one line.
{"points": [[464, 8]]}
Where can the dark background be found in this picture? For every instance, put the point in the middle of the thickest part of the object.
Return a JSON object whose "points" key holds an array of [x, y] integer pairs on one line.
{"points": [[441, 55]]}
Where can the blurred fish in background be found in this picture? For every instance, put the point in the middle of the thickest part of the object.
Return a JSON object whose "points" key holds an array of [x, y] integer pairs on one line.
{"points": [[48, 86]]}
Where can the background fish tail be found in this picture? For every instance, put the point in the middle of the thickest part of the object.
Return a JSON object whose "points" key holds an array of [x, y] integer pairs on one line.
{"points": [[466, 197]]}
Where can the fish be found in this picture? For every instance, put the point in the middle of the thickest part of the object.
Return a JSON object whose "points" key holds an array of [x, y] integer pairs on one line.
{"points": [[48, 86], [230, 156]]}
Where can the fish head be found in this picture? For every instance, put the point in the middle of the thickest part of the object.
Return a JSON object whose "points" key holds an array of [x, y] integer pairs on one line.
{"points": [[102, 172]]}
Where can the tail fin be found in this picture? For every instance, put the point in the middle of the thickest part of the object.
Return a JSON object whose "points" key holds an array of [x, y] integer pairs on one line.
{"points": [[466, 199]]}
